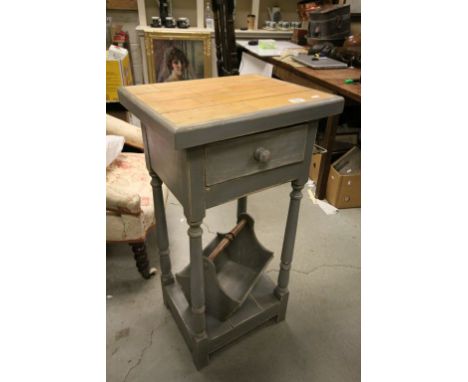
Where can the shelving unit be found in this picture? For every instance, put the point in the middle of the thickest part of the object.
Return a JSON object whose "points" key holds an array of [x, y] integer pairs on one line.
{"points": [[200, 7]]}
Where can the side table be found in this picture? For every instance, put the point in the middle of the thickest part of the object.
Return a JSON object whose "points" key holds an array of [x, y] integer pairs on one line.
{"points": [[212, 141]]}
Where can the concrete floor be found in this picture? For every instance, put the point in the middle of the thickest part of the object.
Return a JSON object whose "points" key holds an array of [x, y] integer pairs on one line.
{"points": [[318, 341]]}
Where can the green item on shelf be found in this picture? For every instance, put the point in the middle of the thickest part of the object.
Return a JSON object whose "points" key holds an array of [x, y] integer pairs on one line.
{"points": [[267, 44]]}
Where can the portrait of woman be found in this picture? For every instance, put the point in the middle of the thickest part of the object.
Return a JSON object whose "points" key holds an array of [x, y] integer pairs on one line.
{"points": [[178, 60], [177, 64]]}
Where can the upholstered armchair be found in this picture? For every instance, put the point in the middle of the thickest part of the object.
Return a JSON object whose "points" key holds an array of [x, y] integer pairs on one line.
{"points": [[129, 197]]}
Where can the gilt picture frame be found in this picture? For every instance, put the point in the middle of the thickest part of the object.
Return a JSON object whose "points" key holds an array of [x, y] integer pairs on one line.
{"points": [[176, 54]]}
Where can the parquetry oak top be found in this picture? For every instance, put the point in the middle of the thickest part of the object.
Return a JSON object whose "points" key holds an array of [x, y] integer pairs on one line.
{"points": [[201, 111]]}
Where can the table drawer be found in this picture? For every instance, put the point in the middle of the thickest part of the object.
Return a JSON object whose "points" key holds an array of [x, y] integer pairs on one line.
{"points": [[238, 157]]}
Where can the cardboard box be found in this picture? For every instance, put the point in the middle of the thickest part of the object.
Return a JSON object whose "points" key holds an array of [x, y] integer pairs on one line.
{"points": [[351, 138], [344, 180], [317, 155], [118, 73]]}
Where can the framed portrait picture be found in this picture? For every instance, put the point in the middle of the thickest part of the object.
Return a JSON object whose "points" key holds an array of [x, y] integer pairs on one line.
{"points": [[176, 55]]}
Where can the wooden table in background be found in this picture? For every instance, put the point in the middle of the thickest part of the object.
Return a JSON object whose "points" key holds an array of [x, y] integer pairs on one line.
{"points": [[329, 80]]}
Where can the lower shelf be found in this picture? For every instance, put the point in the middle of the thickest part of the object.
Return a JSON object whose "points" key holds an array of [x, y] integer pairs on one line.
{"points": [[260, 306]]}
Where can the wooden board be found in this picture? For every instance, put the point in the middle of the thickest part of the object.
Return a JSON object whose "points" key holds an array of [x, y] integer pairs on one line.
{"points": [[195, 102], [122, 4]]}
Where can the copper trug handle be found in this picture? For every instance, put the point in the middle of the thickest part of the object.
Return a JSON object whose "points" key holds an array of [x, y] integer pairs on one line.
{"points": [[228, 238]]}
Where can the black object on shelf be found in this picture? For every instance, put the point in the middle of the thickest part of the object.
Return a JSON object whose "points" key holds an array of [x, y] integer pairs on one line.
{"points": [[183, 22], [163, 10], [156, 22], [169, 22]]}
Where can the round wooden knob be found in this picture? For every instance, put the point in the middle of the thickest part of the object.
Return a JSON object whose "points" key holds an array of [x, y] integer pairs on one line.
{"points": [[262, 155]]}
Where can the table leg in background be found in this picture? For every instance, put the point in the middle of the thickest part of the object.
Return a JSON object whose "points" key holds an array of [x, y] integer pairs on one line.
{"points": [[241, 205], [330, 132], [161, 230]]}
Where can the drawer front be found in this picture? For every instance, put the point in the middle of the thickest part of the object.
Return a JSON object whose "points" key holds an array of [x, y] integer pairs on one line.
{"points": [[238, 157]]}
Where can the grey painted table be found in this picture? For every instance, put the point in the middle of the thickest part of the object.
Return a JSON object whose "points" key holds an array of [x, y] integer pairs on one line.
{"points": [[215, 140]]}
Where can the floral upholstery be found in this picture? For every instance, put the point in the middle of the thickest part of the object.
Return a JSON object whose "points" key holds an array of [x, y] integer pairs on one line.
{"points": [[129, 199]]}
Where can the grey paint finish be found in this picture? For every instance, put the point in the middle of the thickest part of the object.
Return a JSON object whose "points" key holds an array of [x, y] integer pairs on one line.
{"points": [[220, 333], [229, 279], [240, 154], [320, 339], [185, 173], [197, 285], [289, 239], [169, 164], [195, 205], [235, 188], [163, 241], [193, 322]]}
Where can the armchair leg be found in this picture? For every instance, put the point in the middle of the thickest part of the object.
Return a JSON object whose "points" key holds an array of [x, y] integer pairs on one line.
{"points": [[142, 262]]}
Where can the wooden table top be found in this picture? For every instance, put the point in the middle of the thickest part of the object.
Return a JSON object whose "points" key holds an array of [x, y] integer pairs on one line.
{"points": [[185, 106], [332, 79]]}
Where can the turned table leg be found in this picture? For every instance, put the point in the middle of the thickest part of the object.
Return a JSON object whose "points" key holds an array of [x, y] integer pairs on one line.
{"points": [[141, 259], [161, 230], [197, 294], [197, 280], [281, 290]]}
